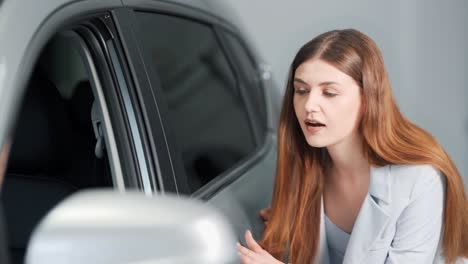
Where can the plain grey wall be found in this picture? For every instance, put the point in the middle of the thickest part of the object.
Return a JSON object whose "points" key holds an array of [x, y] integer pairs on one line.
{"points": [[424, 44]]}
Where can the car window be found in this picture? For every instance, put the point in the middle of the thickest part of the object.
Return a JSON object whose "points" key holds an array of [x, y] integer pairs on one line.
{"points": [[207, 113], [250, 75], [53, 150]]}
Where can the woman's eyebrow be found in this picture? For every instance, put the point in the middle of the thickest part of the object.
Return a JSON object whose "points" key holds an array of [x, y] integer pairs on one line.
{"points": [[327, 83], [299, 80], [320, 84]]}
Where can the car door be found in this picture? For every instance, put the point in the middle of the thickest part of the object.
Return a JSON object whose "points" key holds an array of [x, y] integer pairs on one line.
{"points": [[214, 112], [62, 144], [229, 162]]}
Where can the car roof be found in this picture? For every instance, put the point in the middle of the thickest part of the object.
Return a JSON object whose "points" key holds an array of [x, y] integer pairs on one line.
{"points": [[212, 7]]}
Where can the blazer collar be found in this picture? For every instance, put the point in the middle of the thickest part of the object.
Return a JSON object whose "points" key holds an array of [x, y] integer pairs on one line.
{"points": [[370, 224], [379, 185], [373, 217]]}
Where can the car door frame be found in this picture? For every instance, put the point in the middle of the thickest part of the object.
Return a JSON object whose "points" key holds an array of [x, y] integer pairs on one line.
{"points": [[130, 24]]}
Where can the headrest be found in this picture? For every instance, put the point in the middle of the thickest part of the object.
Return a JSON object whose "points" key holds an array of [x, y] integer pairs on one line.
{"points": [[42, 130]]}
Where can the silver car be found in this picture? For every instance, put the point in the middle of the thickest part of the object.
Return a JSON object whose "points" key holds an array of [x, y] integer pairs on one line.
{"points": [[162, 102]]}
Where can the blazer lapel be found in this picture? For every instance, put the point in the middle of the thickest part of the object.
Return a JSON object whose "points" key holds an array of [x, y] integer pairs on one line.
{"points": [[372, 217]]}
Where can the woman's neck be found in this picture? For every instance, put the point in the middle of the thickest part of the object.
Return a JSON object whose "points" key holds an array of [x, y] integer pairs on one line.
{"points": [[348, 162]]}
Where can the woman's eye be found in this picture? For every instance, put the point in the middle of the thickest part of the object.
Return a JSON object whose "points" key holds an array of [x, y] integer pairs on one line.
{"points": [[329, 94], [301, 91]]}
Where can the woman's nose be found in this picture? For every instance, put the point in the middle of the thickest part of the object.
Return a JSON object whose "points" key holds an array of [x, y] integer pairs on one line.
{"points": [[312, 103]]}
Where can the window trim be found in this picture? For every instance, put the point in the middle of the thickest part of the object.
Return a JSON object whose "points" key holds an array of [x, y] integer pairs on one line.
{"points": [[149, 104], [128, 102], [132, 118], [93, 35]]}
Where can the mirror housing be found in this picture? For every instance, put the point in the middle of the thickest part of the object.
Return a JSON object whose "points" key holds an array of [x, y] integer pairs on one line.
{"points": [[109, 227]]}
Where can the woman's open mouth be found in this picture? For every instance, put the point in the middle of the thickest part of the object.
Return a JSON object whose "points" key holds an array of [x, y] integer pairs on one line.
{"points": [[314, 126]]}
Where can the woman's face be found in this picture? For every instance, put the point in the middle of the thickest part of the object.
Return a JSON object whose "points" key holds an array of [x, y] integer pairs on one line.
{"points": [[329, 96]]}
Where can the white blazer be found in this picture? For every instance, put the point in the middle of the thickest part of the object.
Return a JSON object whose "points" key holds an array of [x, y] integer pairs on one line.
{"points": [[400, 220]]}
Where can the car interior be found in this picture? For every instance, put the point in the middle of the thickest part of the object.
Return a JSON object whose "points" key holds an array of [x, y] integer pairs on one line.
{"points": [[53, 144]]}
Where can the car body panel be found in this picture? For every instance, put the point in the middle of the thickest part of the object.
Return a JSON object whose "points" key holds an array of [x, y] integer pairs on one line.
{"points": [[242, 200]]}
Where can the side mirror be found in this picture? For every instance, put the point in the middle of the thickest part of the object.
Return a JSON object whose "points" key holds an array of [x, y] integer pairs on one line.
{"points": [[109, 227]]}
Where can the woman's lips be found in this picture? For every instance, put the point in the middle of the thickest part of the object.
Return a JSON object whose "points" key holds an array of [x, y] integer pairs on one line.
{"points": [[314, 129]]}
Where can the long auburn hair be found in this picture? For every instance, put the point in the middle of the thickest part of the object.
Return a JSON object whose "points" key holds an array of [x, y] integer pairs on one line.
{"points": [[388, 138]]}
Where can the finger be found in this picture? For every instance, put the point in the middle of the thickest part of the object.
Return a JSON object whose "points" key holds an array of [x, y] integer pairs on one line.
{"points": [[247, 255], [246, 259], [245, 251], [265, 212], [251, 243]]}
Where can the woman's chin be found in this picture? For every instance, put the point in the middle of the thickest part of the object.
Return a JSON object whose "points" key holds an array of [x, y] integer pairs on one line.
{"points": [[316, 143]]}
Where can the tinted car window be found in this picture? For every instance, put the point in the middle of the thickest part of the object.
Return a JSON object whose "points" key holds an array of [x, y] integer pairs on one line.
{"points": [[206, 111], [251, 77]]}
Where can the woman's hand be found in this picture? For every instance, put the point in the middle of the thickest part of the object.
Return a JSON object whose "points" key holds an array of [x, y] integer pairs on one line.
{"points": [[254, 254]]}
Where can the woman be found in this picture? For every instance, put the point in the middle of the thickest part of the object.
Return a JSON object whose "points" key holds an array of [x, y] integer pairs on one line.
{"points": [[4, 152], [356, 182]]}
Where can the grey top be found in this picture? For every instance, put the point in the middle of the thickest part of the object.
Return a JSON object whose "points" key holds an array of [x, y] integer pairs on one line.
{"points": [[337, 241]]}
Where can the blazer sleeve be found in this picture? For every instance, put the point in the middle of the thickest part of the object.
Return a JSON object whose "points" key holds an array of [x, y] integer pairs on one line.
{"points": [[419, 227]]}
